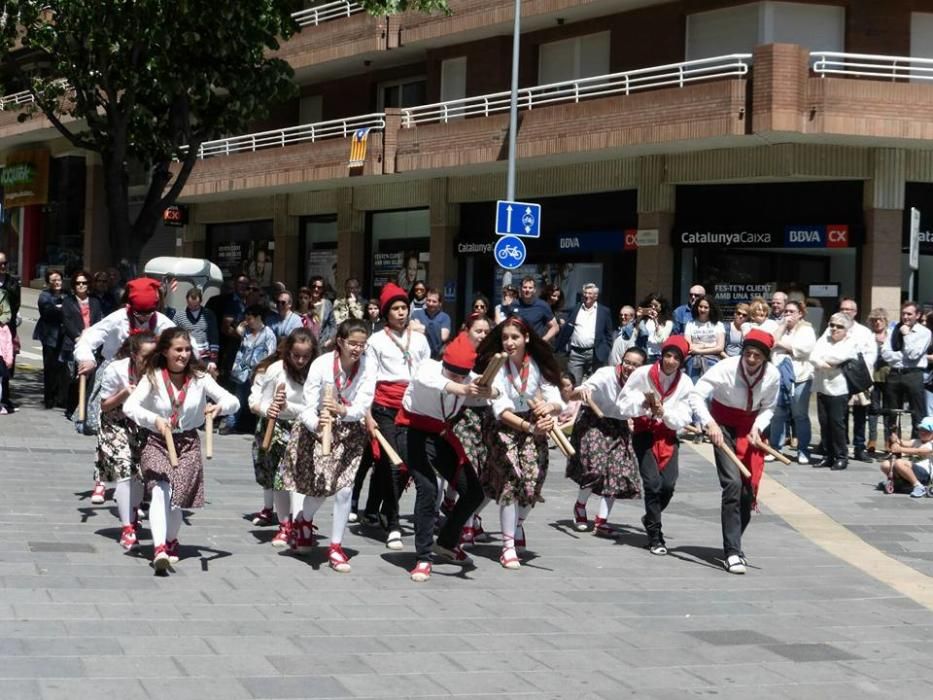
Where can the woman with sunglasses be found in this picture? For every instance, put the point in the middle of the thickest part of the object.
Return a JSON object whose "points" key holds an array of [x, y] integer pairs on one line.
{"points": [[734, 335], [79, 311], [481, 306], [277, 394], [319, 306], [309, 474], [832, 391], [107, 336]]}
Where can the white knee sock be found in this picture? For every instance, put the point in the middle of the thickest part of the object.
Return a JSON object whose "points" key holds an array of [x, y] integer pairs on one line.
{"points": [[605, 506], [584, 496], [174, 524], [267, 498], [311, 506], [282, 501], [137, 491], [158, 511], [523, 512], [341, 514], [123, 496], [296, 501], [508, 516]]}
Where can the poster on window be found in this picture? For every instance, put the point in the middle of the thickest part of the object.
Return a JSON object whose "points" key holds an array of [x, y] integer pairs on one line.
{"points": [[250, 258], [402, 268], [569, 277], [322, 263], [729, 294]]}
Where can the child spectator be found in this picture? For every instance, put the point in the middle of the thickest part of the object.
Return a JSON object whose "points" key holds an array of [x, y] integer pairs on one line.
{"points": [[913, 467]]}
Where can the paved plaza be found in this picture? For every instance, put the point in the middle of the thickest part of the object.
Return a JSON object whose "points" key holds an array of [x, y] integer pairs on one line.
{"points": [[584, 618]]}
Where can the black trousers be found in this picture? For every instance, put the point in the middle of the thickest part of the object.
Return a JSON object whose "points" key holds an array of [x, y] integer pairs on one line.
{"points": [[900, 387], [831, 411], [428, 456], [737, 498], [391, 478], [53, 377], [658, 485]]}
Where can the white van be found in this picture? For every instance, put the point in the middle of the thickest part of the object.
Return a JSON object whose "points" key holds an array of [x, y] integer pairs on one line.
{"points": [[181, 274]]}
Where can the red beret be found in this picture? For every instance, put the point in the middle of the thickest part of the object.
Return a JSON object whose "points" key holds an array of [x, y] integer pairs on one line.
{"points": [[390, 294], [763, 340], [678, 343], [143, 294], [460, 355]]}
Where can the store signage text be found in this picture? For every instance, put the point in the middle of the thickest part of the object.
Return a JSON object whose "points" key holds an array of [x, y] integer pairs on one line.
{"points": [[474, 248], [21, 174], [818, 236], [747, 238], [174, 215]]}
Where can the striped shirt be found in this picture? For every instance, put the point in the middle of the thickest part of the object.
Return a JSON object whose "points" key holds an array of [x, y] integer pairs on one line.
{"points": [[205, 337]]}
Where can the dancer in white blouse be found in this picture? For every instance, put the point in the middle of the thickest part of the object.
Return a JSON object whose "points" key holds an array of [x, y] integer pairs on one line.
{"points": [[311, 475], [277, 394], [172, 396], [518, 450]]}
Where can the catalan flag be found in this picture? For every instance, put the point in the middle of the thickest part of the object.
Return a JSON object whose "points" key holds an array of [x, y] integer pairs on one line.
{"points": [[358, 147]]}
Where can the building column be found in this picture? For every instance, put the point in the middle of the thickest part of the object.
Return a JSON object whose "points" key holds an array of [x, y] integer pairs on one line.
{"points": [[445, 227], [351, 239], [286, 266], [194, 240], [654, 268], [96, 247], [881, 255]]}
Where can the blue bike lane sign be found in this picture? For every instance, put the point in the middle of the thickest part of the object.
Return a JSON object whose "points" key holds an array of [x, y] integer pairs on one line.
{"points": [[509, 252]]}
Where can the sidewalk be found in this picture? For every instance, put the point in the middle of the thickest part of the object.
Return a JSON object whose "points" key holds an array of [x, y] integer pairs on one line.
{"points": [[585, 617]]}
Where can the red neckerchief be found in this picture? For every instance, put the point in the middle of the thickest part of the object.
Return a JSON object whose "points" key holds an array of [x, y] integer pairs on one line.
{"points": [[350, 377], [654, 375], [522, 375], [406, 355], [750, 386], [134, 329], [176, 401], [619, 376]]}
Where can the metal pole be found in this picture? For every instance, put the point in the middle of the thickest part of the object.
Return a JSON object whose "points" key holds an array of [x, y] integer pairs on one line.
{"points": [[513, 105]]}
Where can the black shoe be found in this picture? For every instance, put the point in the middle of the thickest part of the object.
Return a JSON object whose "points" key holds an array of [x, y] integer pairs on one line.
{"points": [[839, 465], [824, 463], [861, 456]]}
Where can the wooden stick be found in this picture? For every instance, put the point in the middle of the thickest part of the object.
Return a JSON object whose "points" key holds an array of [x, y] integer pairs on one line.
{"points": [[209, 436], [170, 447], [327, 434], [82, 398], [693, 429], [738, 462], [270, 428], [492, 369], [765, 447], [594, 408], [387, 448], [557, 436]]}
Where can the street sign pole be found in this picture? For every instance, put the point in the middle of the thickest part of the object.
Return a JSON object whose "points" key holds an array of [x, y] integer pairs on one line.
{"points": [[913, 257], [513, 104]]}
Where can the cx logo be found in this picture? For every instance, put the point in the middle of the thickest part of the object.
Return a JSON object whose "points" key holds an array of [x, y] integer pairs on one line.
{"points": [[837, 236]]}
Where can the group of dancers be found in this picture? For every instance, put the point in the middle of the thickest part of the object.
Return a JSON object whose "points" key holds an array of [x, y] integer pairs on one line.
{"points": [[466, 430]]}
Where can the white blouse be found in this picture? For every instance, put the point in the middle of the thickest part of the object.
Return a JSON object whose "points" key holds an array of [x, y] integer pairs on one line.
{"points": [[357, 397], [264, 387], [509, 397], [425, 394], [723, 383], [151, 401], [831, 381], [678, 407], [109, 333], [388, 359], [115, 378], [604, 385]]}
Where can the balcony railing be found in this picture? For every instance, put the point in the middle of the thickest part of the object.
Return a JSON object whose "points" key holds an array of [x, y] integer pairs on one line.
{"points": [[279, 138], [866, 65], [670, 75], [313, 16], [17, 98]]}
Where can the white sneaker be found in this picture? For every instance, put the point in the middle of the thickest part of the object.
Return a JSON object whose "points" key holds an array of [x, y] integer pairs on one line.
{"points": [[394, 540], [353, 518], [735, 565], [803, 459], [769, 458]]}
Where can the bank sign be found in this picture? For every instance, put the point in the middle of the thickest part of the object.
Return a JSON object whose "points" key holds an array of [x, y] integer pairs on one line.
{"points": [[800, 236], [820, 236]]}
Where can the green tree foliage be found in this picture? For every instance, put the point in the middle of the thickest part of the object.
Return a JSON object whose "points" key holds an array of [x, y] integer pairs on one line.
{"points": [[146, 82]]}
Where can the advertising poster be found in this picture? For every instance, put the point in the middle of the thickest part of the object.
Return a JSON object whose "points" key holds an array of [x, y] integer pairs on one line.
{"points": [[728, 295], [323, 263], [251, 258]]}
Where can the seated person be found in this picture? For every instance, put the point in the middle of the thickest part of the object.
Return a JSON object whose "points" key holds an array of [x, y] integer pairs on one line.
{"points": [[568, 416], [913, 466]]}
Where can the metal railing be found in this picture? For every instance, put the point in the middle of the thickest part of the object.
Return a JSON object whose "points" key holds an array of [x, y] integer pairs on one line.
{"points": [[17, 98], [313, 16], [867, 65], [279, 138], [673, 74]]}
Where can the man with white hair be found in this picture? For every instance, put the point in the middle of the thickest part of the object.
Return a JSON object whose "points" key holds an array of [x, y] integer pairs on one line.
{"points": [[587, 335], [778, 302], [683, 314]]}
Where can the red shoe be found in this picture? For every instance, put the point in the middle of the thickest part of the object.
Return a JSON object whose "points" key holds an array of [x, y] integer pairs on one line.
{"points": [[99, 495], [128, 538], [302, 535], [509, 559], [283, 538], [601, 528], [520, 537], [160, 560], [467, 537], [452, 556], [580, 523], [421, 572], [264, 517], [171, 547], [338, 559]]}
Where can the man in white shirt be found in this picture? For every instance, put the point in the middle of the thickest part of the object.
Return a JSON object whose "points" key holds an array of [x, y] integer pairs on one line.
{"points": [[864, 340], [587, 336], [905, 351]]}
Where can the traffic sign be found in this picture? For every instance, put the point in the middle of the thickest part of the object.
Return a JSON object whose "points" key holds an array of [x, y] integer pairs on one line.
{"points": [[509, 252], [913, 253], [518, 219]]}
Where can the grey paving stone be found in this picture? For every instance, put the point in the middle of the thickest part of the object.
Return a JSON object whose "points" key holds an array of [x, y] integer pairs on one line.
{"points": [[299, 687], [25, 667], [20, 689], [195, 689], [813, 652], [121, 689]]}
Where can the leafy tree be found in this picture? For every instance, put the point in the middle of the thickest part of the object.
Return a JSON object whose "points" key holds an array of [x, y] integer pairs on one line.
{"points": [[146, 82]]}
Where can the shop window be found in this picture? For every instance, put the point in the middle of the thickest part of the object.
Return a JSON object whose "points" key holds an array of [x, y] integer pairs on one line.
{"points": [[408, 92], [243, 247], [740, 29], [319, 238], [453, 82], [570, 59], [400, 244], [311, 109]]}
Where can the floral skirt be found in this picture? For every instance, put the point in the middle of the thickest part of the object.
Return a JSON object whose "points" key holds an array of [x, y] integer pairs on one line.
{"points": [[187, 479], [118, 446], [266, 462], [604, 459], [517, 465], [305, 469], [471, 426]]}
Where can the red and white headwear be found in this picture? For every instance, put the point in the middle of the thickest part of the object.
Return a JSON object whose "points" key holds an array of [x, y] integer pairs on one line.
{"points": [[143, 294], [390, 294], [460, 355], [677, 343], [760, 339]]}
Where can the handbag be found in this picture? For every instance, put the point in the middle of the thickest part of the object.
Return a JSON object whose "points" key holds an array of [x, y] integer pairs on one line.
{"points": [[858, 378]]}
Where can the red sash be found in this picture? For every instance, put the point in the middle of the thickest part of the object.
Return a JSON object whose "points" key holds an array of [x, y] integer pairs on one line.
{"points": [[389, 394], [741, 422], [664, 440], [427, 424]]}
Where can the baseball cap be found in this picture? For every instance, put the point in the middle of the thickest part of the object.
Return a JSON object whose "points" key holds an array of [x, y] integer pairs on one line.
{"points": [[926, 424]]}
